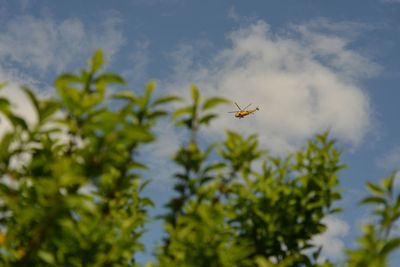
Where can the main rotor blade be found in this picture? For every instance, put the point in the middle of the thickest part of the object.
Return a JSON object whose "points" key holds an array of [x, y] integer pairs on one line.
{"points": [[247, 106], [232, 111], [238, 106]]}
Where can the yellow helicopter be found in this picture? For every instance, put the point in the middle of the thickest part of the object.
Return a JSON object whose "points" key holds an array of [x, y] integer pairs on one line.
{"points": [[241, 113]]}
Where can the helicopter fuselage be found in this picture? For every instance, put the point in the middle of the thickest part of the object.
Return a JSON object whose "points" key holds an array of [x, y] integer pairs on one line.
{"points": [[244, 113]]}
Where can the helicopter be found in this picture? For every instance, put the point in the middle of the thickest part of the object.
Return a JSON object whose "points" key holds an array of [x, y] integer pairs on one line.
{"points": [[241, 113]]}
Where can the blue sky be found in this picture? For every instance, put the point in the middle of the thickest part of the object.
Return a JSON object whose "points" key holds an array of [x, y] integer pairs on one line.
{"points": [[309, 65]]}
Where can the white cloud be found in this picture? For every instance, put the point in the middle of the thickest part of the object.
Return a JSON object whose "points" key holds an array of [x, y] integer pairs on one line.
{"points": [[304, 81], [332, 245], [31, 45], [331, 48], [45, 44]]}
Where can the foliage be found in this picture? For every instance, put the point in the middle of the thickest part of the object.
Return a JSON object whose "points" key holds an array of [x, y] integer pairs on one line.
{"points": [[78, 144], [196, 172], [70, 186], [266, 215], [376, 243]]}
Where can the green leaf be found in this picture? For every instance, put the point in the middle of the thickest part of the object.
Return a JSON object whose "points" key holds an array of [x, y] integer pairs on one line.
{"points": [[335, 210], [156, 114], [165, 99], [47, 109], [185, 122], [88, 101], [5, 142], [97, 61], [391, 245], [127, 95], [215, 101], [5, 105], [110, 78], [137, 165], [18, 121], [373, 200], [44, 109], [138, 134], [388, 182], [65, 80], [207, 118], [71, 99], [182, 111], [397, 202], [317, 253], [195, 95], [214, 167], [262, 262], [149, 89], [3, 84], [147, 202], [46, 257], [32, 97], [375, 189], [143, 185]]}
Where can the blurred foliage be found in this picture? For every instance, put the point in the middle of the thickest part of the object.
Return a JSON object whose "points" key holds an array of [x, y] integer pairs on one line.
{"points": [[245, 207], [196, 170], [71, 183], [377, 243]]}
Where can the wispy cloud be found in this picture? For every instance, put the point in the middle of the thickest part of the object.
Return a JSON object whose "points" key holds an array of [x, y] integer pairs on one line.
{"points": [[331, 241], [232, 14], [31, 47], [43, 44], [391, 160], [108, 35], [305, 81], [140, 60]]}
